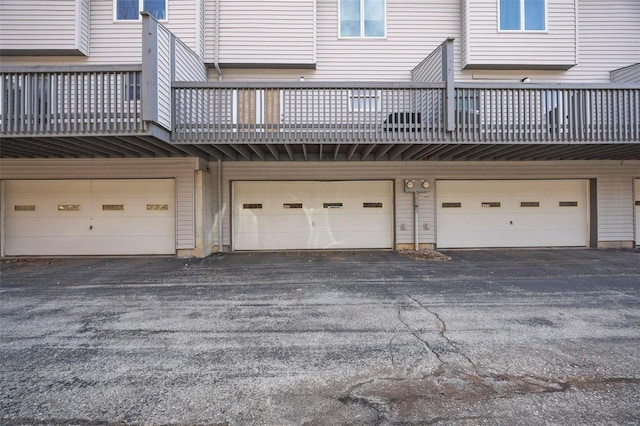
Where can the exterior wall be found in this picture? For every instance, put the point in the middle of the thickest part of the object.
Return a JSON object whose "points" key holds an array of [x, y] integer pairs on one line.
{"points": [[607, 39], [266, 32], [614, 183], [487, 47], [630, 74], [40, 26], [181, 169], [111, 42]]}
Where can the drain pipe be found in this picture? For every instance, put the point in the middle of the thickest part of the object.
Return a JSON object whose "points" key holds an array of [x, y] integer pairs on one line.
{"points": [[416, 244], [216, 47], [220, 207]]}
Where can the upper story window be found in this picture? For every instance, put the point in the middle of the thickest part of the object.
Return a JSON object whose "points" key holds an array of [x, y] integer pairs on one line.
{"points": [[129, 10], [362, 18], [522, 15]]}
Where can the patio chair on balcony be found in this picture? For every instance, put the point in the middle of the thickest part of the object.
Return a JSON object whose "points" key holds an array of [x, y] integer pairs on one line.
{"points": [[403, 122]]}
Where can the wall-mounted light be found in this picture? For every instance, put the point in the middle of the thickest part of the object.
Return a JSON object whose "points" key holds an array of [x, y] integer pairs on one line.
{"points": [[416, 185], [525, 80]]}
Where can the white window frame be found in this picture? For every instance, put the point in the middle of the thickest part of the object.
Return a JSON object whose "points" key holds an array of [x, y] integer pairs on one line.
{"points": [[140, 9], [364, 94], [362, 36], [522, 16]]}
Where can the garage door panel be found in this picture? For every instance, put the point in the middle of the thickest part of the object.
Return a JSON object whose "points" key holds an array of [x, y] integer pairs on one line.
{"points": [[313, 226], [46, 227], [491, 213], [92, 217]]}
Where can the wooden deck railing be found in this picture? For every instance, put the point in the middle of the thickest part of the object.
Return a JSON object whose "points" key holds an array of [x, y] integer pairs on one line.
{"points": [[106, 101], [71, 101], [404, 113]]}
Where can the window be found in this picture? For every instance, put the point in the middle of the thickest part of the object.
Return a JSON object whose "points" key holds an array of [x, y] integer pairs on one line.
{"points": [[364, 100], [129, 10], [362, 18], [522, 15], [133, 84]]}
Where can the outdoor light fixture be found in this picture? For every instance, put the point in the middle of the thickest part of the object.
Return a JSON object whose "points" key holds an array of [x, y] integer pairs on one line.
{"points": [[416, 185]]}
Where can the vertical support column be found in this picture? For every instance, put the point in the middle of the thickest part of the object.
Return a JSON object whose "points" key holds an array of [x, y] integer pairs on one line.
{"points": [[448, 78], [149, 79], [220, 208], [2, 211], [416, 232]]}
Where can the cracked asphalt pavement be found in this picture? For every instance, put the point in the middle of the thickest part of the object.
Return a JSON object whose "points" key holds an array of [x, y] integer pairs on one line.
{"points": [[361, 338]]}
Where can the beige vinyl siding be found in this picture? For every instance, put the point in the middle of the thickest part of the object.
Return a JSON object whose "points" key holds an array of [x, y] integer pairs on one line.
{"points": [[209, 30], [414, 30], [181, 169], [615, 207], [615, 195], [42, 25], [486, 46], [608, 34], [111, 42], [267, 32]]}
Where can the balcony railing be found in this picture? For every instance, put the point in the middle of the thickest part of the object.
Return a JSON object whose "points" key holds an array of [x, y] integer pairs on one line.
{"points": [[81, 101], [308, 112], [404, 113], [107, 101], [547, 113]]}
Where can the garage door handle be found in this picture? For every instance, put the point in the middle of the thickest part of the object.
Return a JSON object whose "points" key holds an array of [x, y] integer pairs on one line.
{"points": [[510, 222]]}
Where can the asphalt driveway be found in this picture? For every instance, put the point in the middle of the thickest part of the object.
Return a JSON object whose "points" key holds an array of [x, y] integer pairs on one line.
{"points": [[493, 337]]}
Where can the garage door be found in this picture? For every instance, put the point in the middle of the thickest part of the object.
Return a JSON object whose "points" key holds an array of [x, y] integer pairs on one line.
{"points": [[523, 213], [312, 215], [637, 203], [89, 217]]}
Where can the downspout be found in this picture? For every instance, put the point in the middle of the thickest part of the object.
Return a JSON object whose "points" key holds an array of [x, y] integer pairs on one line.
{"points": [[220, 207], [216, 53]]}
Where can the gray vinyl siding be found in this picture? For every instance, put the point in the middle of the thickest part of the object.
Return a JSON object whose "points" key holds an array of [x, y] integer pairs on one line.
{"points": [[614, 180], [630, 74], [267, 32], [181, 169], [42, 25], [164, 77], [83, 25], [188, 66]]}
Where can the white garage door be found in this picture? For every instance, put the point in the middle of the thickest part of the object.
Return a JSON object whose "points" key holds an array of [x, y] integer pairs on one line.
{"points": [[637, 202], [89, 217], [523, 213], [312, 215]]}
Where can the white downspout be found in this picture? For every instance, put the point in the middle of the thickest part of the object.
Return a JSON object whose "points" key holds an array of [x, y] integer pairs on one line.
{"points": [[216, 53]]}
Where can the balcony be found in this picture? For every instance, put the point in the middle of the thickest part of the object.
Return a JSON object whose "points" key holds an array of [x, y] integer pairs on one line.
{"points": [[404, 113], [73, 102]]}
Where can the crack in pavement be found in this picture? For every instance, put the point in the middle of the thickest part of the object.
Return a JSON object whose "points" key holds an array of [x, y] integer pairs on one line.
{"points": [[420, 339], [442, 330]]}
